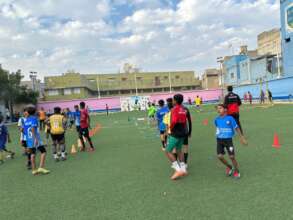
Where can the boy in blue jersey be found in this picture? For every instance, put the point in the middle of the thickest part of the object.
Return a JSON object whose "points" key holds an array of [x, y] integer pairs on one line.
{"points": [[34, 141], [226, 126], [163, 110], [77, 118], [23, 137], [4, 138]]}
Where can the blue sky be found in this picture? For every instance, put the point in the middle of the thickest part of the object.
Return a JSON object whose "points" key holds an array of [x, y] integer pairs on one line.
{"points": [[99, 36]]}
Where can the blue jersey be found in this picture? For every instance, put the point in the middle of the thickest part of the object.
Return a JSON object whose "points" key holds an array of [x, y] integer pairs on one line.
{"points": [[77, 118], [225, 127], [32, 123], [3, 135], [160, 116]]}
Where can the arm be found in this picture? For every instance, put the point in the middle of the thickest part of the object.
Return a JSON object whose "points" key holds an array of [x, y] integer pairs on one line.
{"points": [[243, 141], [8, 136], [89, 120], [226, 100], [239, 100], [189, 123]]}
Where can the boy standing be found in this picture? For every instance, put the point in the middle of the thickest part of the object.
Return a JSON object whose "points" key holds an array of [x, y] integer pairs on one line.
{"points": [[23, 137], [34, 141], [161, 126], [42, 118], [226, 126], [84, 127], [178, 132], [57, 126], [4, 138], [198, 103]]}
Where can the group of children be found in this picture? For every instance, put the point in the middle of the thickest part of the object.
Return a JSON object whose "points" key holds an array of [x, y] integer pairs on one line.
{"points": [[175, 128], [32, 123]]}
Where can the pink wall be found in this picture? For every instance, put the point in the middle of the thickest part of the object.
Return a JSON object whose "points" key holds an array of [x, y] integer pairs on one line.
{"points": [[114, 102]]}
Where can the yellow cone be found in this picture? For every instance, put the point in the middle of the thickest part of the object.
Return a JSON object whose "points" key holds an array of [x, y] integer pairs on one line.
{"points": [[73, 149]]}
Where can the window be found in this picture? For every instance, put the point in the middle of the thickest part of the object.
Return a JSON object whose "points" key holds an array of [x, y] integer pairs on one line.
{"points": [[67, 91], [232, 75], [53, 92], [177, 77], [138, 78], [76, 91], [124, 79], [166, 77]]}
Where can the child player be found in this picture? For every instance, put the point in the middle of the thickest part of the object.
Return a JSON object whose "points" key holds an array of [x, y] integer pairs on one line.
{"points": [[23, 138], [152, 112], [226, 126], [186, 139], [84, 127], [4, 138], [163, 110], [57, 127], [178, 132], [198, 103], [34, 141]]}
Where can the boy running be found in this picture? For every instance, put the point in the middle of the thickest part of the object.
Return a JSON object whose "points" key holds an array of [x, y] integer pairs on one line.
{"points": [[161, 126], [84, 127], [226, 126], [34, 141], [178, 132], [57, 126], [4, 138]]}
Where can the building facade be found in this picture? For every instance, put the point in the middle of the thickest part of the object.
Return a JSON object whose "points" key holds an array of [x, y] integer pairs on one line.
{"points": [[269, 42], [78, 86], [210, 79], [287, 35]]}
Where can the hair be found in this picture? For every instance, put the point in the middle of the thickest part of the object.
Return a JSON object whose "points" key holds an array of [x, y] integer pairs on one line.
{"points": [[57, 110], [82, 105], [170, 103], [178, 98], [76, 106], [161, 103], [31, 109], [223, 106], [1, 118], [230, 88]]}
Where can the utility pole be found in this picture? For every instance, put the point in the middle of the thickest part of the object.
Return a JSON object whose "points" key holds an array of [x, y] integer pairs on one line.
{"points": [[33, 77], [170, 83], [220, 60]]}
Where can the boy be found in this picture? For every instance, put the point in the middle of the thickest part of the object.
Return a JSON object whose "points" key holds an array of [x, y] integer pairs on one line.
{"points": [[23, 138], [42, 118], [70, 117], [84, 127], [161, 126], [34, 141], [4, 138], [57, 126], [178, 132], [152, 111], [198, 103], [226, 126], [186, 139]]}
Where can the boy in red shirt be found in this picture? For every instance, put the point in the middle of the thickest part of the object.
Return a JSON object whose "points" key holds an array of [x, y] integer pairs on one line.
{"points": [[84, 127]]}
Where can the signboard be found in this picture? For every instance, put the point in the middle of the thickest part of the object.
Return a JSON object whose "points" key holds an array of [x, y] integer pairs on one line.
{"points": [[289, 18], [134, 103]]}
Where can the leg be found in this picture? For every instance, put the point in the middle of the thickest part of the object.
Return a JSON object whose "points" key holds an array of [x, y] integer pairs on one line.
{"points": [[185, 150], [43, 156], [224, 161], [234, 162]]}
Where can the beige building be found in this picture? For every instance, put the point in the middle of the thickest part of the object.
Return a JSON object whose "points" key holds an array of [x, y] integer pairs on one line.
{"points": [[210, 79], [269, 42]]}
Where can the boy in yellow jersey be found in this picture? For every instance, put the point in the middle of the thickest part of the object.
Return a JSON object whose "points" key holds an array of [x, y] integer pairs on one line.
{"points": [[57, 123], [198, 103]]}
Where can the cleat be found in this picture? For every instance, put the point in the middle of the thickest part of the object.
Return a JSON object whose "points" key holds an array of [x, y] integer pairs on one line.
{"points": [[229, 171], [35, 172], [177, 175], [236, 175], [63, 158], [43, 171]]}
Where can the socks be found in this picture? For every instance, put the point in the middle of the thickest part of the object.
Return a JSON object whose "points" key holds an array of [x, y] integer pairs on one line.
{"points": [[91, 143], [185, 157], [62, 147], [175, 155]]}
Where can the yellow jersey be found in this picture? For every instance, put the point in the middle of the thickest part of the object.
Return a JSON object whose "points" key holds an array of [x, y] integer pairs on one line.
{"points": [[56, 124], [197, 101], [167, 121]]}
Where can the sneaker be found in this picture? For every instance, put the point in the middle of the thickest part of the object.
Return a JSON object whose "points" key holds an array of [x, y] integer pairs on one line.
{"points": [[236, 175], [91, 149], [56, 157], [43, 171], [229, 171], [183, 169], [35, 172], [177, 175]]}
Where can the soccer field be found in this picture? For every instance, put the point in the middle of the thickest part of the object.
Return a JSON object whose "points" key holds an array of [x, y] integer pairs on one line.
{"points": [[128, 176]]}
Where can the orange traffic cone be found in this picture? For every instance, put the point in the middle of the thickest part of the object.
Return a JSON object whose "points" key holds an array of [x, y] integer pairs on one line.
{"points": [[73, 149], [276, 143], [205, 122]]}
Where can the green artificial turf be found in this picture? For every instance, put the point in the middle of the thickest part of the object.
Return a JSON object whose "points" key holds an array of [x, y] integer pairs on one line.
{"points": [[128, 177]]}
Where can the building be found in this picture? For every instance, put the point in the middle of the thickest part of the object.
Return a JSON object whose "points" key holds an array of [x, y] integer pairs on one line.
{"points": [[36, 85], [210, 79], [287, 35], [78, 86], [231, 69], [269, 42]]}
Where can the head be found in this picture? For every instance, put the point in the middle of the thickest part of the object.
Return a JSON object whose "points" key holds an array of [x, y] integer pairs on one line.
{"points": [[222, 109], [25, 113], [82, 105], [230, 88], [31, 110], [197, 96], [178, 99], [161, 103], [170, 103], [76, 107], [57, 110]]}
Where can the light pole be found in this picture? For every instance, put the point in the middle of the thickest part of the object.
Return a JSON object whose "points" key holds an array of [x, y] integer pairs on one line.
{"points": [[170, 83], [135, 81], [99, 91], [33, 77], [220, 60]]}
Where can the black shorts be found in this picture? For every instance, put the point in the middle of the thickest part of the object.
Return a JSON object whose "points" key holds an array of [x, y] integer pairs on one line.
{"points": [[84, 132], [48, 131], [23, 144], [227, 144], [57, 137], [185, 142], [162, 132], [42, 149], [78, 128]]}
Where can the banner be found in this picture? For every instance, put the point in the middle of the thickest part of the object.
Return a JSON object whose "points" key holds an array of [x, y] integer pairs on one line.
{"points": [[134, 103]]}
